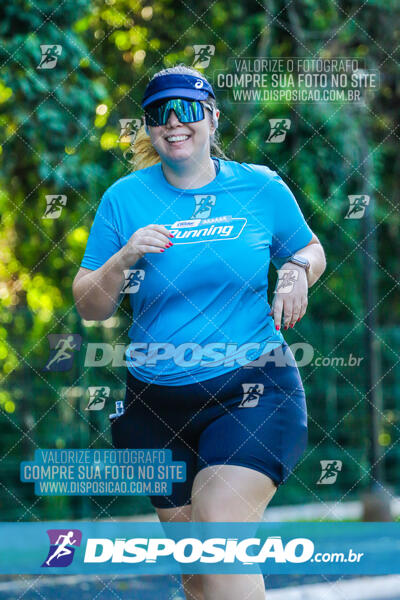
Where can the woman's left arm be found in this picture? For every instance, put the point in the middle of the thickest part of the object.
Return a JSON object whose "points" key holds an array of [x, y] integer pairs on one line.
{"points": [[293, 303]]}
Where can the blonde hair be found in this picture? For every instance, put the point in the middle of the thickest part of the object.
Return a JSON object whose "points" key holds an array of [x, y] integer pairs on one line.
{"points": [[142, 150]]}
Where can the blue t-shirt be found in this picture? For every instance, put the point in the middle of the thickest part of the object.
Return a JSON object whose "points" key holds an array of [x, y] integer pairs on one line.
{"points": [[200, 309]]}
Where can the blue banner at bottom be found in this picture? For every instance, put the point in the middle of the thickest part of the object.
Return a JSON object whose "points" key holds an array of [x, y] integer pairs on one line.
{"points": [[57, 547]]}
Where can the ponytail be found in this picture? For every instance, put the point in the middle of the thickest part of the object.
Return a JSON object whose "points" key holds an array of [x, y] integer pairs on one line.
{"points": [[143, 151]]}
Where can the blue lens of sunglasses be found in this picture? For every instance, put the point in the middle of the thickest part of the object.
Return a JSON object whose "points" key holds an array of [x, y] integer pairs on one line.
{"points": [[187, 111]]}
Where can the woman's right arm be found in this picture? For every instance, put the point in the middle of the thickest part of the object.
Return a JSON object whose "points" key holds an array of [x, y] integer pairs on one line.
{"points": [[97, 293]]}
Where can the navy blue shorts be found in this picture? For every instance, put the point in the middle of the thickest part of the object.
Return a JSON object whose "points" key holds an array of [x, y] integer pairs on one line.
{"points": [[253, 417]]}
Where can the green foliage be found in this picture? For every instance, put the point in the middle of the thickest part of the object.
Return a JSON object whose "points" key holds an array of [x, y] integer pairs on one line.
{"points": [[54, 142]]}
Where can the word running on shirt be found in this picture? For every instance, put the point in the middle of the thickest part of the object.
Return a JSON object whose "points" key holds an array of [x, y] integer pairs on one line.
{"points": [[195, 231]]}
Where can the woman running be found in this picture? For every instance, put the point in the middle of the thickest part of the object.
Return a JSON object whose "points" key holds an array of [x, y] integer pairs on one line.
{"points": [[190, 235]]}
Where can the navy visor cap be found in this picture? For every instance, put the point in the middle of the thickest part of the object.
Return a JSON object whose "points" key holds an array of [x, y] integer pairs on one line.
{"points": [[176, 85]]}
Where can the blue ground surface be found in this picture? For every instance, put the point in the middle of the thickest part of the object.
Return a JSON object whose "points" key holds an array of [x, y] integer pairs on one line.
{"points": [[158, 587]]}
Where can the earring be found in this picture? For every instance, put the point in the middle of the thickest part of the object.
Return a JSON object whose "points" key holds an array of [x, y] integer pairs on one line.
{"points": [[215, 120]]}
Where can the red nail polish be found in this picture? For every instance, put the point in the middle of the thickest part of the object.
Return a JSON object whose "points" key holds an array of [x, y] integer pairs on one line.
{"points": [[285, 327], [162, 250], [277, 327], [292, 326], [171, 235]]}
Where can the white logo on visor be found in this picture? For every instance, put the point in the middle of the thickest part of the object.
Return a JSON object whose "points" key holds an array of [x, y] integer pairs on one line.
{"points": [[199, 83]]}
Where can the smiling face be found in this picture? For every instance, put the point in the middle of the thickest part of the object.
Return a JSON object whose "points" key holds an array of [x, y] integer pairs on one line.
{"points": [[176, 141]]}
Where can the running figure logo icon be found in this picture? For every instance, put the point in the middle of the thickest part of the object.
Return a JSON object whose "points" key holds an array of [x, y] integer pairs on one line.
{"points": [[133, 278], [129, 130], [62, 347], [286, 280], [62, 542], [97, 397], [202, 56], [251, 394], [330, 470], [279, 129], [50, 55], [204, 205], [54, 206], [357, 207]]}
